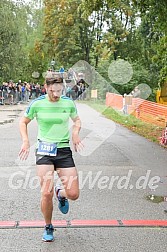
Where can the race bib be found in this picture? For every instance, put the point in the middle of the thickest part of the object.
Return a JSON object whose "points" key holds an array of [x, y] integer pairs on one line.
{"points": [[46, 149]]}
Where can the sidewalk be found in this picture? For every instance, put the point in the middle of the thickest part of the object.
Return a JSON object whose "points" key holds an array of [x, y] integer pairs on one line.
{"points": [[8, 113]]}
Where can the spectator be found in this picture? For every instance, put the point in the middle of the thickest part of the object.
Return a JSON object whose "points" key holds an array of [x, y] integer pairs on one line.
{"points": [[61, 71]]}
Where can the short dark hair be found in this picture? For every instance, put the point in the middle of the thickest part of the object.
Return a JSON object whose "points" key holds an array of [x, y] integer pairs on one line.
{"points": [[51, 81]]}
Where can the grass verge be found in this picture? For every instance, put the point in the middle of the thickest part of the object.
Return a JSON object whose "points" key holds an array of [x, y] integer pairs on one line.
{"points": [[149, 131]]}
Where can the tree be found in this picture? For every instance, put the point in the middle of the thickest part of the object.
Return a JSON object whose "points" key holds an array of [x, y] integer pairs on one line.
{"points": [[154, 31], [10, 40], [20, 27], [66, 32]]}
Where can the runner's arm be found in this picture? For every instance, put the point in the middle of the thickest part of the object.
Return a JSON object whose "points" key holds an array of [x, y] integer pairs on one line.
{"points": [[75, 133], [24, 151]]}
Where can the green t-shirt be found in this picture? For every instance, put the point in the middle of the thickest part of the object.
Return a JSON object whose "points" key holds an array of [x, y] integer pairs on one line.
{"points": [[52, 118]]}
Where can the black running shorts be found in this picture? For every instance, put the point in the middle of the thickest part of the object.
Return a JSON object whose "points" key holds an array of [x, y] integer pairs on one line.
{"points": [[63, 159]]}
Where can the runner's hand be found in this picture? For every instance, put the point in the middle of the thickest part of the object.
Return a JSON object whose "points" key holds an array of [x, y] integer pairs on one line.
{"points": [[78, 146], [24, 151]]}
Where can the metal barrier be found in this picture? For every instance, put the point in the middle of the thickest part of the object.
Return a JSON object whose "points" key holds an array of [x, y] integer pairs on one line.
{"points": [[13, 97], [1, 97]]}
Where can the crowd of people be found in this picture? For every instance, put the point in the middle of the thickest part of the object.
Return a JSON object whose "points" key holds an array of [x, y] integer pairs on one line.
{"points": [[15, 93], [75, 87], [77, 91], [75, 84]]}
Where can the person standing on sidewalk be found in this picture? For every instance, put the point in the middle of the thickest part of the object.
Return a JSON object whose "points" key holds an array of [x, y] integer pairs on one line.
{"points": [[53, 152]]}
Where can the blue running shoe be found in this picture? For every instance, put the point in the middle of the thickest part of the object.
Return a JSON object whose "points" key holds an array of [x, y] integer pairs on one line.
{"points": [[63, 202], [48, 233]]}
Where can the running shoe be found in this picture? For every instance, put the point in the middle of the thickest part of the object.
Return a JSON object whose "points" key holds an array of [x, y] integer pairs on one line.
{"points": [[48, 233], [63, 202]]}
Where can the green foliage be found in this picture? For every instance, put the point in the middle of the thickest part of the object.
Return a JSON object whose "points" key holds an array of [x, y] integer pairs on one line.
{"points": [[153, 32], [160, 58], [141, 75], [68, 35], [20, 26], [156, 10], [10, 40], [96, 31], [136, 31]]}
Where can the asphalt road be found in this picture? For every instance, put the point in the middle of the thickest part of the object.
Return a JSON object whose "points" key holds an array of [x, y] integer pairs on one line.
{"points": [[118, 170]]}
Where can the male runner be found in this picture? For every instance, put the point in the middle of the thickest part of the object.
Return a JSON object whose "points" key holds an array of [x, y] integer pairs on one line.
{"points": [[52, 112]]}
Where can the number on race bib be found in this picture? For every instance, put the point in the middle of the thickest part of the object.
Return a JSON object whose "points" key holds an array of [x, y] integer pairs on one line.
{"points": [[47, 149]]}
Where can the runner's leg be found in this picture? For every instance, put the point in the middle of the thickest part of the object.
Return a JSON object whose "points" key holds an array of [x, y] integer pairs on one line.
{"points": [[46, 176], [69, 179]]}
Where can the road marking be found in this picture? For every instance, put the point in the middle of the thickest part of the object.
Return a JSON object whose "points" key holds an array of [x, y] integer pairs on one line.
{"points": [[89, 223], [83, 223]]}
